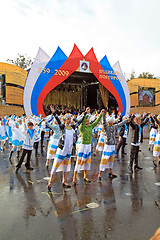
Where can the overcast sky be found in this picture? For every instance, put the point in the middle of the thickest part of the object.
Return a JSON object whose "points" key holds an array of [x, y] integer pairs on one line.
{"points": [[124, 30]]}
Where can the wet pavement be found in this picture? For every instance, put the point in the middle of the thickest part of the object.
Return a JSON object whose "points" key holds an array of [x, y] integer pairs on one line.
{"points": [[127, 207]]}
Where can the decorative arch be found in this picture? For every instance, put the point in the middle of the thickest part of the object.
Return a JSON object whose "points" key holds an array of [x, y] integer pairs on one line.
{"points": [[59, 68]]}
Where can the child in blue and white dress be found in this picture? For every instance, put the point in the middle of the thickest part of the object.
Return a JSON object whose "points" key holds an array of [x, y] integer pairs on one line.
{"points": [[37, 138], [3, 134], [156, 148], [16, 138], [62, 160], [152, 134], [53, 141]]}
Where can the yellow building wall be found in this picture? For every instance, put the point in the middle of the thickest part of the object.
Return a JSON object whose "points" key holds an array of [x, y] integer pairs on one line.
{"points": [[133, 85], [14, 95], [9, 110], [13, 75]]}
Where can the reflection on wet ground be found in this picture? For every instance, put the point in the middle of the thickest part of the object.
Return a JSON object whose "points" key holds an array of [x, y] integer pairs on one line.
{"points": [[127, 207]]}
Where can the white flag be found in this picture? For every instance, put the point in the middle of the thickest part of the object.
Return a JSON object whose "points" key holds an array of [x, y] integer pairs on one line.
{"points": [[40, 62], [118, 71]]}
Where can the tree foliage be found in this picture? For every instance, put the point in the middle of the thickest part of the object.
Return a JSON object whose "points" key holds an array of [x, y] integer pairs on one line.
{"points": [[133, 74], [141, 75], [146, 75], [21, 61]]}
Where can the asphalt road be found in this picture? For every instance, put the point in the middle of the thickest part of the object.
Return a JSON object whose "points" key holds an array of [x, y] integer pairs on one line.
{"points": [[127, 207]]}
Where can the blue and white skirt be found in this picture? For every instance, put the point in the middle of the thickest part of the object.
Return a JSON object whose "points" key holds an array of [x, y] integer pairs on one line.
{"points": [[107, 159]]}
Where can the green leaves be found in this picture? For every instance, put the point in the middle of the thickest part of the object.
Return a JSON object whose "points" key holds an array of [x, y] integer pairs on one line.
{"points": [[22, 61]]}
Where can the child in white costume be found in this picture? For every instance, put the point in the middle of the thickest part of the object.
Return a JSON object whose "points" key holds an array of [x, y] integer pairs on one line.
{"points": [[84, 152], [100, 144], [3, 133], [152, 134], [108, 154], [101, 140], [27, 147], [16, 137], [37, 138], [53, 141], [62, 160], [156, 148]]}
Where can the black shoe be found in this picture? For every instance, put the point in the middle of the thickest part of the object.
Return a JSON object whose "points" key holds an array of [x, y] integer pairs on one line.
{"points": [[112, 175], [66, 185], [86, 180], [74, 183], [137, 167], [29, 168], [130, 169], [124, 153]]}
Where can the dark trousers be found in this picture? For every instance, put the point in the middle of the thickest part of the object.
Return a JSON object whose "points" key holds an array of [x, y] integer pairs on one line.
{"points": [[24, 152], [122, 144], [36, 147], [42, 138], [134, 155]]}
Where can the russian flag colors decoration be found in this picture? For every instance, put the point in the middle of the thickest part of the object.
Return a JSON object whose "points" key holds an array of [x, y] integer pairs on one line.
{"points": [[47, 73]]}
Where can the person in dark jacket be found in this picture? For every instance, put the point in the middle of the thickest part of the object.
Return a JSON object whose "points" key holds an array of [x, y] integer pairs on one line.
{"points": [[136, 134], [123, 137]]}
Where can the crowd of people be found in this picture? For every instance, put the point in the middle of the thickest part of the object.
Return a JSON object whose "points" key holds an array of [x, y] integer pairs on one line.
{"points": [[79, 133]]}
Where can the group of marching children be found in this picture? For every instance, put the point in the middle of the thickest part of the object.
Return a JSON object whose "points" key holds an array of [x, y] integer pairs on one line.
{"points": [[96, 132], [23, 134], [61, 149]]}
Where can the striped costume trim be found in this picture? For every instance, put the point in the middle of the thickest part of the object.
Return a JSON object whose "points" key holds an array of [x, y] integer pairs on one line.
{"points": [[52, 148], [104, 161], [83, 155], [77, 144], [100, 145], [52, 151], [46, 133], [83, 158], [65, 162], [61, 163], [107, 159], [80, 162], [152, 140], [156, 148], [156, 151]]}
